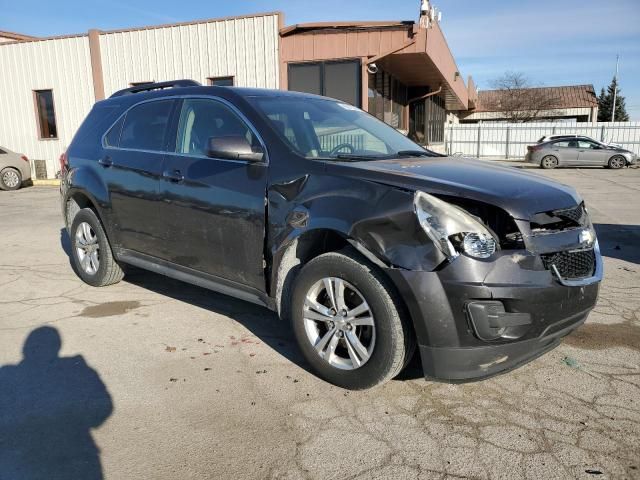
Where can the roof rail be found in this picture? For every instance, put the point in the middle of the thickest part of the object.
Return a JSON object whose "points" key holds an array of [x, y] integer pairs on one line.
{"points": [[147, 87]]}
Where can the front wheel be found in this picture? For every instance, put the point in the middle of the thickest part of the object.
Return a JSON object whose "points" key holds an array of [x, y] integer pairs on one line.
{"points": [[349, 322], [617, 162]]}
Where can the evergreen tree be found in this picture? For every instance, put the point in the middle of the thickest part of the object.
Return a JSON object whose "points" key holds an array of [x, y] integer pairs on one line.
{"points": [[605, 104]]}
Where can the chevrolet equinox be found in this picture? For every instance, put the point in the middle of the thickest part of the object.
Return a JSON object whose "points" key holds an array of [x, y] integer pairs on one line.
{"points": [[368, 244]]}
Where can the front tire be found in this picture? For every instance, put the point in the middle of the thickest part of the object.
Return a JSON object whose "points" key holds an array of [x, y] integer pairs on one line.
{"points": [[617, 162], [10, 179], [93, 259], [549, 162], [349, 321]]}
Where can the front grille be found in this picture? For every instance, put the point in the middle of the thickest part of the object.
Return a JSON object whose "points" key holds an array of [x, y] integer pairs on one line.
{"points": [[571, 264], [574, 214], [560, 220]]}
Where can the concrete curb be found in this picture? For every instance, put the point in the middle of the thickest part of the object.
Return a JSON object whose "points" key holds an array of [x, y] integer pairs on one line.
{"points": [[46, 183]]}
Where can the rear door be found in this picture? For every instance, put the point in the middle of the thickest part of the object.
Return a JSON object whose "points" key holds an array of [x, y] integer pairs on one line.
{"points": [[132, 163], [215, 208], [591, 153], [566, 151]]}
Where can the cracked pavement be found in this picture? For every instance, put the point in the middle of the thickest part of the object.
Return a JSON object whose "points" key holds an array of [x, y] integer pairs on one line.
{"points": [[206, 386]]}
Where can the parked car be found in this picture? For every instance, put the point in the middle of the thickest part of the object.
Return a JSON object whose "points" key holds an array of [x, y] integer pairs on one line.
{"points": [[14, 169], [580, 151], [368, 246], [548, 138]]}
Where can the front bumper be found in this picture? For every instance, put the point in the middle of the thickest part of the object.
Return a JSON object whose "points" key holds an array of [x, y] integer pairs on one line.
{"points": [[449, 342]]}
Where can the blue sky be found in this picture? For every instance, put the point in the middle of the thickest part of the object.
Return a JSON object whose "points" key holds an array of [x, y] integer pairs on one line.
{"points": [[557, 42]]}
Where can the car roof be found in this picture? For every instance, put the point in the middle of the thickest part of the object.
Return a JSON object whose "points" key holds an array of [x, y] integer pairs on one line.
{"points": [[225, 92]]}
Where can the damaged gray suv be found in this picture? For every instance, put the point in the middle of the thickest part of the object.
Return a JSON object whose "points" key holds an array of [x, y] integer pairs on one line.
{"points": [[368, 244]]}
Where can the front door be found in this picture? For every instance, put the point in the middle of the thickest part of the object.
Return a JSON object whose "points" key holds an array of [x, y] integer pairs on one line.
{"points": [[590, 153], [132, 166], [215, 208]]}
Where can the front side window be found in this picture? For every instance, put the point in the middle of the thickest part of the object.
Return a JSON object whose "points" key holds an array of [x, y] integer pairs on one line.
{"points": [[145, 126], [318, 128], [46, 114], [587, 144], [202, 119]]}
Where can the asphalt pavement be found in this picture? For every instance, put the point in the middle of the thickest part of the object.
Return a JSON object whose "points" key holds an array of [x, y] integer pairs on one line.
{"points": [[153, 378]]}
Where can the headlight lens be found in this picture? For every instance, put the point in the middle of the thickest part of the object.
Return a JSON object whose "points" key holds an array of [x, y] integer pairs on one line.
{"points": [[452, 229]]}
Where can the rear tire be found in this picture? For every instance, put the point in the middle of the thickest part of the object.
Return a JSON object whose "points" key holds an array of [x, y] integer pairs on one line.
{"points": [[93, 259], [10, 179], [617, 162], [548, 162], [368, 348]]}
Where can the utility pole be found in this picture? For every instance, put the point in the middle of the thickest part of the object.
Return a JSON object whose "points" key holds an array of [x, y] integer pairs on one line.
{"points": [[615, 90]]}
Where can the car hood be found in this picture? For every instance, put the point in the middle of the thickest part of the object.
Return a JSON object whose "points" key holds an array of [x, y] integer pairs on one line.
{"points": [[520, 193]]}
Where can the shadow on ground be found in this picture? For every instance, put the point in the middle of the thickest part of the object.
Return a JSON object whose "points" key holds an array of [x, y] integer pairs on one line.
{"points": [[619, 241], [48, 406]]}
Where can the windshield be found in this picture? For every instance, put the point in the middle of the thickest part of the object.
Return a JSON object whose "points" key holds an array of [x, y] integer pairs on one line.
{"points": [[319, 128]]}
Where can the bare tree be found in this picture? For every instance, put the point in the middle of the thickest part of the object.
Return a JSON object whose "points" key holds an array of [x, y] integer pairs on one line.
{"points": [[518, 100]]}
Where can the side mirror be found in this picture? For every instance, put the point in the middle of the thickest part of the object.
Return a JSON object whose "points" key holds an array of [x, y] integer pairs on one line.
{"points": [[234, 147]]}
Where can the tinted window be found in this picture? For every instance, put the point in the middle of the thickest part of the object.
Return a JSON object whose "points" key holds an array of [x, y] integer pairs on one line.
{"points": [[2, 152], [221, 81], [112, 138], [342, 81], [145, 125], [46, 114], [305, 78], [202, 119]]}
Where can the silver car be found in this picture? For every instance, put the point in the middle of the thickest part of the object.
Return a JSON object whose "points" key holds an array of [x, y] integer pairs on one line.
{"points": [[15, 169], [573, 152]]}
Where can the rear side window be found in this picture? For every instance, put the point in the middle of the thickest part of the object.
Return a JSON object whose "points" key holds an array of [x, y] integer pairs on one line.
{"points": [[145, 126], [112, 138], [563, 144]]}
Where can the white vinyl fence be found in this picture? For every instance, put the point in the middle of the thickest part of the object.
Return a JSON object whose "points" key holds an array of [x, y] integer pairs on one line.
{"points": [[510, 140]]}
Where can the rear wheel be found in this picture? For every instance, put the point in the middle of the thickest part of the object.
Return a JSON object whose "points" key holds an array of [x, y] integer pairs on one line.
{"points": [[348, 321], [92, 256], [10, 179], [549, 162], [617, 162]]}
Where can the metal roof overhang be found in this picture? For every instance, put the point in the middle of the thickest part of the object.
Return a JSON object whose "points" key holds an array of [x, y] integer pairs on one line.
{"points": [[427, 60]]}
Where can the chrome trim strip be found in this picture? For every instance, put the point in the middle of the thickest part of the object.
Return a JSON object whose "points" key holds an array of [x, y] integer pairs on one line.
{"points": [[595, 278]]}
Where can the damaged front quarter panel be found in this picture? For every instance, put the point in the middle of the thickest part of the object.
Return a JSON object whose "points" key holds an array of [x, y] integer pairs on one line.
{"points": [[377, 219]]}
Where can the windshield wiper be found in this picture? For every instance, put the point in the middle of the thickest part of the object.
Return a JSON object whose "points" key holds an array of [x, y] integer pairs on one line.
{"points": [[355, 157], [414, 153]]}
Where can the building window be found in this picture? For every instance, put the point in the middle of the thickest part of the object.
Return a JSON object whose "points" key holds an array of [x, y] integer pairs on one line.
{"points": [[387, 99], [46, 114], [220, 81], [340, 80]]}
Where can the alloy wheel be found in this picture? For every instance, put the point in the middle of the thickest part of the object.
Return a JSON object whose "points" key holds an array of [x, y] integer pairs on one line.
{"points": [[339, 323], [617, 162], [87, 248], [10, 178], [549, 162]]}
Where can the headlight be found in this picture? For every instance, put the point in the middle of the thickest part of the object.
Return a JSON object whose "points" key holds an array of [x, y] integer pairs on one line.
{"points": [[452, 229]]}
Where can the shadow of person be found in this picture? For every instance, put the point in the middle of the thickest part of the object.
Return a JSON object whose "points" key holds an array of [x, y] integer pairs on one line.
{"points": [[48, 406]]}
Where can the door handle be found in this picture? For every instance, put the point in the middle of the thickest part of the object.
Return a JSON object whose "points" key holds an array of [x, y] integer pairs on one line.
{"points": [[106, 161], [173, 176]]}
